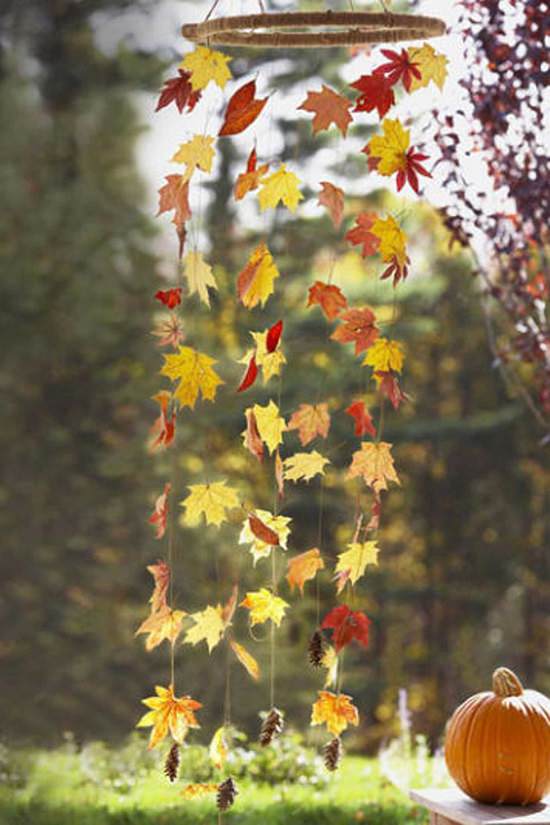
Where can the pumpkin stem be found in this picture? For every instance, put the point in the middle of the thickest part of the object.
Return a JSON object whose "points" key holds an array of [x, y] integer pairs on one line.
{"points": [[506, 683]]}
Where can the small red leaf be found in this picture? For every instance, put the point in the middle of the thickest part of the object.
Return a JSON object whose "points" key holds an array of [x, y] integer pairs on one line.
{"points": [[273, 336], [376, 93], [262, 531], [179, 90], [347, 625], [169, 297], [242, 110], [363, 421], [399, 67], [250, 375]]}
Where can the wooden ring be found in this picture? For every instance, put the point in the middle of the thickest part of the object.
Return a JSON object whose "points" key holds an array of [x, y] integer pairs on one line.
{"points": [[315, 29]]}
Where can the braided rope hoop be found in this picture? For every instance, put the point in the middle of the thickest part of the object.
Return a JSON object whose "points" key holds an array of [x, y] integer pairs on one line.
{"points": [[313, 29]]}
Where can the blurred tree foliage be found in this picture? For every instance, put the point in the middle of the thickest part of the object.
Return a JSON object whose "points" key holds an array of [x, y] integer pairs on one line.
{"points": [[463, 583]]}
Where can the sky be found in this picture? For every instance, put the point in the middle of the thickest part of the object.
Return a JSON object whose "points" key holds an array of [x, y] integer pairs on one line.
{"points": [[166, 130]]}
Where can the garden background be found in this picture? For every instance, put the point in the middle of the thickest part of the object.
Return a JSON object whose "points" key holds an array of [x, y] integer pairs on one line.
{"points": [[464, 585]]}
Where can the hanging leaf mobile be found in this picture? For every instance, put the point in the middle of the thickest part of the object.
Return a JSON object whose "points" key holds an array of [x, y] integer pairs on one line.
{"points": [[195, 376]]}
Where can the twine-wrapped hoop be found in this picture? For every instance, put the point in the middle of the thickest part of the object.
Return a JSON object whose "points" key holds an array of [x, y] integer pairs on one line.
{"points": [[313, 29]]}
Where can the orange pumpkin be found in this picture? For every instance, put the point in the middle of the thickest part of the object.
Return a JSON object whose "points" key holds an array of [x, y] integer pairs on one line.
{"points": [[497, 745]]}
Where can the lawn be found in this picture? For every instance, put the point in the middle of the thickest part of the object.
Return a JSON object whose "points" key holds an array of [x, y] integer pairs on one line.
{"points": [[82, 787]]}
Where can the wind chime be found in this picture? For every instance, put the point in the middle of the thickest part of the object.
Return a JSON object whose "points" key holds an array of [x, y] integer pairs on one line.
{"points": [[193, 374]]}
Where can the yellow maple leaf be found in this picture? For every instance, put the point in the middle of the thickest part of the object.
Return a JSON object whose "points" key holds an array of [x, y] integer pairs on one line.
{"points": [[199, 276], [255, 282], [280, 187], [353, 561], [218, 749], [211, 501], [374, 463], [197, 153], [304, 466], [209, 626], [385, 355], [270, 424], [270, 362], [205, 65], [246, 659], [161, 625], [393, 241], [194, 372], [432, 65], [196, 790], [263, 606], [168, 714], [390, 148], [336, 711], [261, 549], [303, 568]]}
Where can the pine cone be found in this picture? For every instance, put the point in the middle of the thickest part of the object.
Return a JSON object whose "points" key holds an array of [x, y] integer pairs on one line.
{"points": [[227, 791], [172, 762], [332, 754], [316, 649], [272, 726]]}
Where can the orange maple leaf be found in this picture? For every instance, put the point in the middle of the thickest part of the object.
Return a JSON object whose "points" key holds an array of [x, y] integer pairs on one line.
{"points": [[163, 430], [164, 624], [161, 575], [332, 197], [242, 110], [330, 298], [361, 234], [168, 714], [329, 107], [250, 180], [303, 568], [374, 464], [174, 195], [251, 436], [357, 325], [310, 420], [336, 711]]}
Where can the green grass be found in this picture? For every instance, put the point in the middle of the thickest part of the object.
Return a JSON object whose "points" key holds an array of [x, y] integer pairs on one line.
{"points": [[56, 790]]}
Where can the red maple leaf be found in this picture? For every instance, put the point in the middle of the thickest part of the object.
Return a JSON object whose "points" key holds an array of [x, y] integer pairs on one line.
{"points": [[330, 298], [413, 168], [358, 325], [242, 110], [179, 90], [361, 234], [347, 625], [389, 386], [262, 531], [376, 93], [399, 67], [250, 375], [363, 421], [169, 297]]}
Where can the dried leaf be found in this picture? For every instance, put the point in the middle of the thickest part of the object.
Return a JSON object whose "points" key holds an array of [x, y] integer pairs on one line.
{"points": [[197, 153], [160, 513], [362, 233], [263, 531], [264, 606], [304, 466], [174, 195], [332, 197], [164, 625], [218, 749], [209, 626], [347, 625], [376, 93], [310, 420], [255, 282], [163, 431], [211, 501], [246, 659], [205, 65], [195, 374], [385, 355], [363, 421], [197, 790], [328, 107], [199, 276], [354, 560], [180, 91], [329, 297], [161, 575], [250, 180], [280, 187], [270, 424], [251, 436], [168, 714], [374, 464], [303, 568], [169, 297], [336, 711], [431, 64], [358, 326], [242, 110]]}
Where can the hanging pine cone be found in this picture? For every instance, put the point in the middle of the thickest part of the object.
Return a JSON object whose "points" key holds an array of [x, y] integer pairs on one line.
{"points": [[172, 762], [316, 649], [227, 791], [272, 726], [332, 753]]}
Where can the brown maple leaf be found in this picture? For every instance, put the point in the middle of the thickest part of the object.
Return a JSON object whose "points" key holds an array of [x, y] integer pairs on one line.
{"points": [[179, 90], [175, 195], [332, 197], [328, 107]]}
